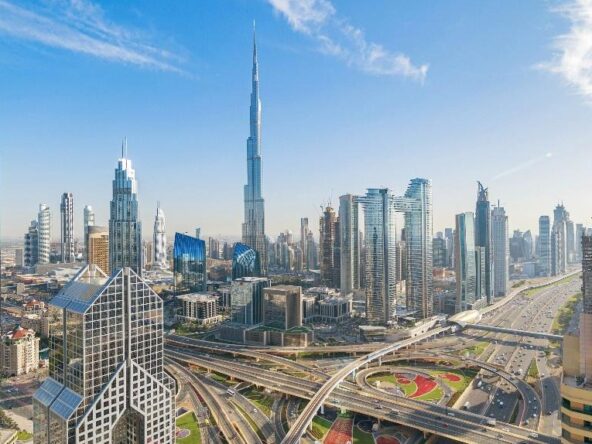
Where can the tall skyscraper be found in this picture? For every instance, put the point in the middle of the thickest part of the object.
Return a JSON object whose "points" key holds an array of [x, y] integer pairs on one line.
{"points": [[329, 229], [32, 245], [349, 233], [254, 224], [98, 247], [159, 240], [380, 254], [465, 264], [544, 247], [417, 205], [483, 237], [67, 226], [106, 380], [501, 250], [576, 392], [44, 229], [304, 230], [89, 221], [580, 231], [125, 228]]}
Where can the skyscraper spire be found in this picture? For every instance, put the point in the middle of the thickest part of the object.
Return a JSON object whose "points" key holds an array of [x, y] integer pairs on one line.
{"points": [[124, 148], [254, 222]]}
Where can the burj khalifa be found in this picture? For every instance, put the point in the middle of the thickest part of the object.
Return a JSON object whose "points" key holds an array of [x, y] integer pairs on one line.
{"points": [[254, 224]]}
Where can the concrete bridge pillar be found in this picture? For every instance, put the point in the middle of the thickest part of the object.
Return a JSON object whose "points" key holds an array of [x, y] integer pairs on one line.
{"points": [[322, 409], [380, 361]]}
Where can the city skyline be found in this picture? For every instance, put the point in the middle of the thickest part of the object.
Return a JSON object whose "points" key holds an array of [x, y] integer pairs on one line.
{"points": [[518, 159]]}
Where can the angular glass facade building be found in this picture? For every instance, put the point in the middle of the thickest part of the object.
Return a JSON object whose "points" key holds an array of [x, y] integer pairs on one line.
{"points": [[246, 262], [189, 259], [106, 379]]}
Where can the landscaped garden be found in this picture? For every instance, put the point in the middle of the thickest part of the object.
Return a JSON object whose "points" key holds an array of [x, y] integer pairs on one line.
{"points": [[188, 429]]}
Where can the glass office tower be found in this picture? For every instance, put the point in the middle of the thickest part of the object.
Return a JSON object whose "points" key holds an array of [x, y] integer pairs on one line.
{"points": [[245, 262], [464, 260], [417, 204], [189, 262], [106, 379], [380, 254]]}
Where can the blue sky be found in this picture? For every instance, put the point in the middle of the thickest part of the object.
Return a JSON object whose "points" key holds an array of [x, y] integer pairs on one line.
{"points": [[355, 95]]}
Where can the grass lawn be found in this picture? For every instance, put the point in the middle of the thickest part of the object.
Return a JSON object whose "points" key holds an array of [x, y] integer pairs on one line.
{"points": [[222, 379], [261, 400], [565, 313], [475, 349], [435, 395], [458, 386], [361, 437], [534, 291], [533, 370], [23, 435], [382, 377], [320, 427], [189, 422]]}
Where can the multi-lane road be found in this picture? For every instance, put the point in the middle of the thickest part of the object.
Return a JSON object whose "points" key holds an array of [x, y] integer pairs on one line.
{"points": [[504, 396]]}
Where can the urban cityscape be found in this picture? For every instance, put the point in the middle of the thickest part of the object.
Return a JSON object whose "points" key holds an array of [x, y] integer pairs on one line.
{"points": [[373, 320]]}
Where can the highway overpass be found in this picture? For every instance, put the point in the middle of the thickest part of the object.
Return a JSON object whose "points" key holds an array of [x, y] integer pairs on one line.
{"points": [[512, 331]]}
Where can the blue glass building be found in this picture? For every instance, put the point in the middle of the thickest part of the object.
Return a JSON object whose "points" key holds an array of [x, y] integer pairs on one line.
{"points": [[245, 262], [189, 264]]}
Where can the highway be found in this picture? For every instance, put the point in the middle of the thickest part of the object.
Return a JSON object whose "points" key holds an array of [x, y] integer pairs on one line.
{"points": [[461, 426]]}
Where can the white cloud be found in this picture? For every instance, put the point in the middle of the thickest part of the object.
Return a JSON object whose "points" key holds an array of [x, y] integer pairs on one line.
{"points": [[573, 57], [336, 37], [80, 26]]}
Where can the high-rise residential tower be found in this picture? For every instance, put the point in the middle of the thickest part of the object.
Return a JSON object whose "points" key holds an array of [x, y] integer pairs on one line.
{"points": [[304, 230], [98, 247], [89, 221], [44, 230], [501, 250], [417, 204], [254, 222], [159, 240], [67, 227], [380, 254], [544, 247], [125, 228], [465, 262], [32, 245], [350, 243], [483, 237], [106, 380], [329, 245]]}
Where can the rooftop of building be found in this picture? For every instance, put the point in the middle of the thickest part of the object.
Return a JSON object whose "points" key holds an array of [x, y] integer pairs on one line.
{"points": [[198, 297], [284, 289], [19, 333], [251, 279], [78, 295]]}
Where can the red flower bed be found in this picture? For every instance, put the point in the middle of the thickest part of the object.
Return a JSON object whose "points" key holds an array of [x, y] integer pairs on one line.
{"points": [[341, 432], [403, 378], [383, 439], [424, 385], [451, 377]]}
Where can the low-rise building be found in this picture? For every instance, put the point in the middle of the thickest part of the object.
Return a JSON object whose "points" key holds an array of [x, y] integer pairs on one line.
{"points": [[19, 352], [199, 307]]}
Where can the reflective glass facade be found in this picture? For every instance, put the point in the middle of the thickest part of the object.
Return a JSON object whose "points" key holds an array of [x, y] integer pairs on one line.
{"points": [[381, 259], [245, 262], [247, 300], [465, 261], [189, 258], [106, 380]]}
